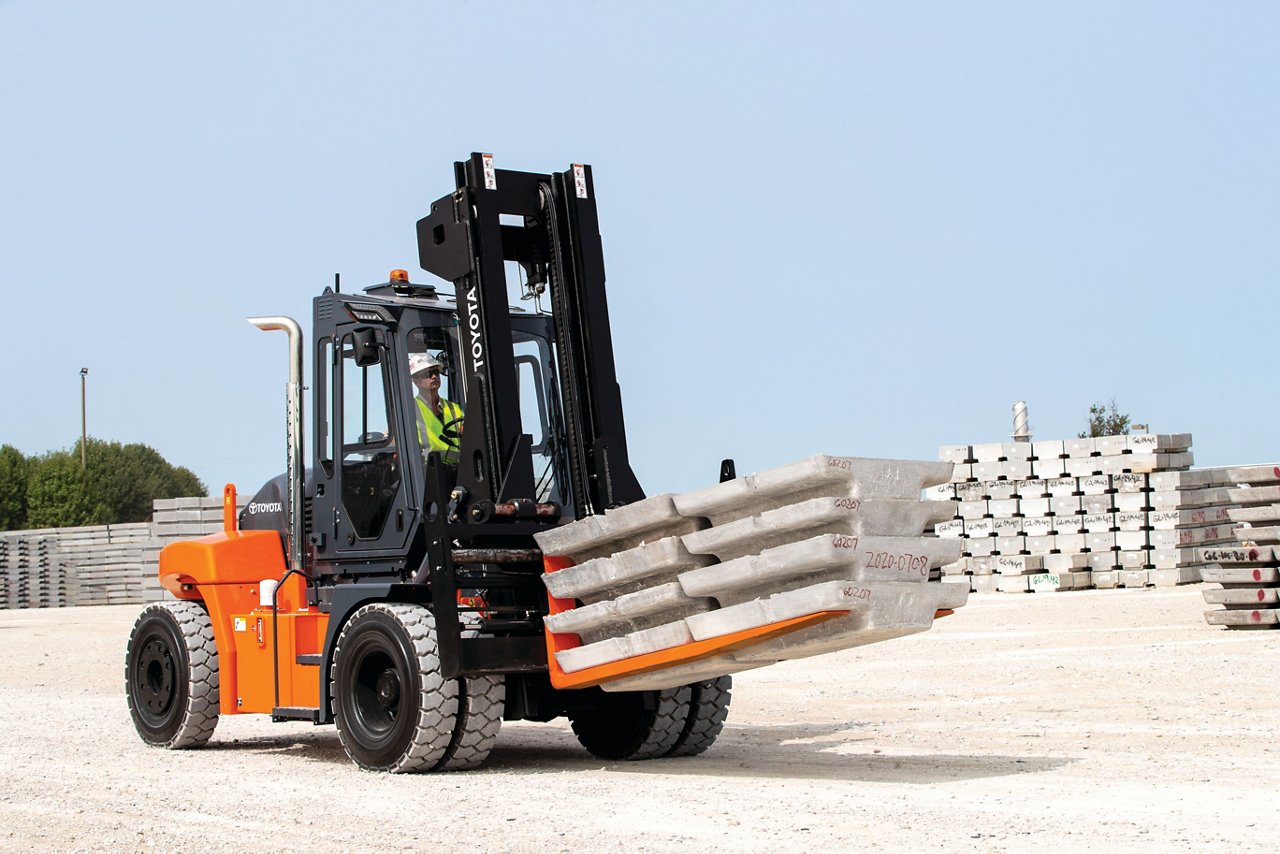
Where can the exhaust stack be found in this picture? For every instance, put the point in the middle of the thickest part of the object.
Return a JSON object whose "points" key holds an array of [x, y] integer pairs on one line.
{"points": [[1021, 432], [295, 466]]}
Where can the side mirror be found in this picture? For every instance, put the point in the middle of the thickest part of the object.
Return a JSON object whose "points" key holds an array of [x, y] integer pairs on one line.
{"points": [[367, 351]]}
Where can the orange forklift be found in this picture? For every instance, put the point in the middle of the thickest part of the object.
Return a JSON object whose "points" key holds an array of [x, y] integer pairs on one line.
{"points": [[392, 586]]}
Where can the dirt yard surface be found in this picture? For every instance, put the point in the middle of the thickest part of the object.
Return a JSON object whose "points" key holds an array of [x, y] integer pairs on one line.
{"points": [[1108, 721]]}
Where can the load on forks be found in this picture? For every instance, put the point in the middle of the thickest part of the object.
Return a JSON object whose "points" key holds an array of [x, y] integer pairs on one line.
{"points": [[440, 567]]}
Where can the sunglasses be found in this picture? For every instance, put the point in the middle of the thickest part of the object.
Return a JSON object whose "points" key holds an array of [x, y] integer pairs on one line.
{"points": [[427, 374]]}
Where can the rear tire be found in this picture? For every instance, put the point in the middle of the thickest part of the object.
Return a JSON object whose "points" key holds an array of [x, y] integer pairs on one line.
{"points": [[708, 709], [393, 709], [481, 700], [628, 727], [171, 675]]}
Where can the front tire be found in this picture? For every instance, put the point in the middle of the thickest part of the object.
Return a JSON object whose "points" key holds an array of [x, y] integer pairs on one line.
{"points": [[634, 724], [393, 709], [171, 675]]}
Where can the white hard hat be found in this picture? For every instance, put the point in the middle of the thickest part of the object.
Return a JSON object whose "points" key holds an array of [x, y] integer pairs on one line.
{"points": [[419, 362]]}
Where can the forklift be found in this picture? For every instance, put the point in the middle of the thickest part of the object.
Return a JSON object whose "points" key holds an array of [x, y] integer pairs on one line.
{"points": [[393, 586]]}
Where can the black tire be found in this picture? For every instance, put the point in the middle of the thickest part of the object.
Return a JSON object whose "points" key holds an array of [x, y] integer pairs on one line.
{"points": [[708, 709], [481, 700], [634, 724], [394, 710], [171, 675]]}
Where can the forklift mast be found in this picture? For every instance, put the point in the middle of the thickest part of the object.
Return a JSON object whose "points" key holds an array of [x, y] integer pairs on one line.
{"points": [[547, 224]]}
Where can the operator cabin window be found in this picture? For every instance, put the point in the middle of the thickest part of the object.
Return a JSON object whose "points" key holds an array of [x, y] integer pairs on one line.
{"points": [[370, 468]]}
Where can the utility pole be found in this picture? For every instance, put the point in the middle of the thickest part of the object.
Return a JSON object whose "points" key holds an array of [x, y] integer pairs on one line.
{"points": [[84, 433]]}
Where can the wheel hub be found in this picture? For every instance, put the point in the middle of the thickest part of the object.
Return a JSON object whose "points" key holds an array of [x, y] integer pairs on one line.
{"points": [[388, 690], [155, 677]]}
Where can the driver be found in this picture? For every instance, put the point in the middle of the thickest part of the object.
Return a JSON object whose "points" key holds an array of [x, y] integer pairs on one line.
{"points": [[439, 420]]}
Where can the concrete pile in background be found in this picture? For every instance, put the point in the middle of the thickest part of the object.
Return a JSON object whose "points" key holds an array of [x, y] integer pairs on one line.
{"points": [[102, 564], [825, 533], [1112, 511], [1248, 572]]}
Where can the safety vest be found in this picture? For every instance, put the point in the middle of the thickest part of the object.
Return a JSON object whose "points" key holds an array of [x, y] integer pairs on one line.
{"points": [[431, 429]]}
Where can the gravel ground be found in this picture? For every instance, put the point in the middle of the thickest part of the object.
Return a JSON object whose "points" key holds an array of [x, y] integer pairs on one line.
{"points": [[1110, 720]]}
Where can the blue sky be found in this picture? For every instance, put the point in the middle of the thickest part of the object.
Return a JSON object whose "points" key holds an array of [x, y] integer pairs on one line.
{"points": [[845, 228]]}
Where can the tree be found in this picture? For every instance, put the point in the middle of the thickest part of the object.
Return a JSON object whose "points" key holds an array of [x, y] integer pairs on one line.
{"points": [[13, 489], [118, 484], [1106, 422]]}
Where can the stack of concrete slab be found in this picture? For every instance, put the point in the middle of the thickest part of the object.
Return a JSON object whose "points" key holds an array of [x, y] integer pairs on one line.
{"points": [[104, 561], [827, 533], [1248, 573], [1112, 511], [30, 574], [178, 519], [1249, 595]]}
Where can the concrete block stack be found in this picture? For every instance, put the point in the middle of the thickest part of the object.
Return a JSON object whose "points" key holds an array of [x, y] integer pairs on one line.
{"points": [[30, 573], [825, 534], [1112, 511], [1248, 574], [104, 562]]}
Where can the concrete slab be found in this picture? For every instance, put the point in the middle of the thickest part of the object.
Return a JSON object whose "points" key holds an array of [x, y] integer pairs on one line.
{"points": [[982, 565], [1242, 597], [651, 519], [1083, 466], [1172, 558], [1133, 578], [980, 527], [1039, 545], [1234, 576], [1004, 507], [819, 475], [988, 452], [1133, 558], [627, 646], [1038, 526], [1032, 488], [1095, 484], [1048, 450], [1131, 501], [1256, 617], [972, 509], [984, 583], [630, 612], [1111, 446], [1257, 534], [1248, 495], [1099, 542], [974, 490], [1079, 447], [961, 472], [860, 558], [1132, 521], [1013, 583], [1260, 514], [1068, 523], [883, 516], [1034, 506], [1132, 541], [1094, 504], [1010, 527], [1063, 486], [1155, 442], [955, 453], [1066, 563], [1105, 579], [1065, 505], [1176, 576], [1076, 580], [1071, 542], [1266, 475], [1233, 554], [941, 492], [979, 546], [1016, 450], [1000, 490], [1098, 522], [1049, 468], [987, 471], [888, 616], [624, 572], [1010, 545], [1018, 564], [950, 529], [684, 674], [1103, 562], [1016, 469], [1129, 482]]}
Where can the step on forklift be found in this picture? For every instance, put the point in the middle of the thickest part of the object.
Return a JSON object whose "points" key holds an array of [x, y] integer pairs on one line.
{"points": [[393, 587]]}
